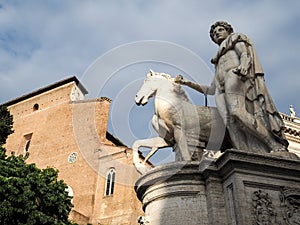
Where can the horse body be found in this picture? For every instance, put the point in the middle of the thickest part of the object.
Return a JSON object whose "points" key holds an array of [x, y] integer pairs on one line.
{"points": [[179, 123]]}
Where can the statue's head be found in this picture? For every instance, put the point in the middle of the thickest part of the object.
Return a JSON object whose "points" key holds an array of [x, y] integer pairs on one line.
{"points": [[224, 24]]}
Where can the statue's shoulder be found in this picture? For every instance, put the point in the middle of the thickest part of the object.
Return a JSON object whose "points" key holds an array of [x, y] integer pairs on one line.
{"points": [[235, 37], [239, 37]]}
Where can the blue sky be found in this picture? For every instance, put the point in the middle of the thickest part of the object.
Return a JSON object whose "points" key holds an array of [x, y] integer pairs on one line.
{"points": [[42, 42]]}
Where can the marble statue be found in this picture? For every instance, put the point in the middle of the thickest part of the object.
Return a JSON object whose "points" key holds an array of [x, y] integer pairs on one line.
{"points": [[179, 123], [292, 112], [241, 95]]}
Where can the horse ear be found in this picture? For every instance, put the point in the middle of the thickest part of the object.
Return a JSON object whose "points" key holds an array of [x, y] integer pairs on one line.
{"points": [[151, 72]]}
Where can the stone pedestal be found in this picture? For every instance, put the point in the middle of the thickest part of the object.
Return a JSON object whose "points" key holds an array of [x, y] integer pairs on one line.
{"points": [[173, 194], [239, 188], [250, 188]]}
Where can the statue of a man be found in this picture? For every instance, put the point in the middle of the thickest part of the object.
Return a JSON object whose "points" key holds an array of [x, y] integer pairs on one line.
{"points": [[242, 98]]}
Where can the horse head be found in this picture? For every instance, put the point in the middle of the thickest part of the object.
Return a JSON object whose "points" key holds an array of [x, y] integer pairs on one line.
{"points": [[153, 81]]}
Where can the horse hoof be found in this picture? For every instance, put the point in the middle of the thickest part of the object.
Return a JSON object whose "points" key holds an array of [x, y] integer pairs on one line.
{"points": [[141, 168]]}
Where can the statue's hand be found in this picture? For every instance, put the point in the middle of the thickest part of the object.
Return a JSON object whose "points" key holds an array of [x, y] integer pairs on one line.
{"points": [[179, 79], [240, 71]]}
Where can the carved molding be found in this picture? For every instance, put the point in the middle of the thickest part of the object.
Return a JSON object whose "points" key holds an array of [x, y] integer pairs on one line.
{"points": [[290, 205], [264, 213]]}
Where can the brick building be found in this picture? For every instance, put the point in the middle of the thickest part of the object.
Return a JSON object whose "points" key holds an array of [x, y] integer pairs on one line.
{"points": [[60, 129]]}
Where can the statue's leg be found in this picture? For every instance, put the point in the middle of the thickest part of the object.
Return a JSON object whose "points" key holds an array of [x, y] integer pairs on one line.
{"points": [[236, 134], [235, 98], [154, 143], [241, 123], [237, 109], [247, 122]]}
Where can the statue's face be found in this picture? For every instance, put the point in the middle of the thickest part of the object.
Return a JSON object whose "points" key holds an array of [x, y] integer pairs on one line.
{"points": [[220, 34]]}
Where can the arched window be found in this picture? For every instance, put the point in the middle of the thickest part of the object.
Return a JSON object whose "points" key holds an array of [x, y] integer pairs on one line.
{"points": [[70, 192], [27, 138], [110, 182], [35, 107]]}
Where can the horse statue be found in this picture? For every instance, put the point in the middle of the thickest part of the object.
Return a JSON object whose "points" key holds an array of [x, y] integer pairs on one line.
{"points": [[179, 123]]}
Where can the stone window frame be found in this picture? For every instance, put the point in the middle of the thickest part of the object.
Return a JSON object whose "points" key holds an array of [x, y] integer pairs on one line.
{"points": [[110, 182], [70, 191], [27, 138]]}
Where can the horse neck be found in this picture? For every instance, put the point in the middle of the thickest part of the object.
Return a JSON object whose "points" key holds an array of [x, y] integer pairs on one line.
{"points": [[171, 91]]}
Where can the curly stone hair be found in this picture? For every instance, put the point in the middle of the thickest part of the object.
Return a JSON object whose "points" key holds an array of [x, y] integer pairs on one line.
{"points": [[224, 24]]}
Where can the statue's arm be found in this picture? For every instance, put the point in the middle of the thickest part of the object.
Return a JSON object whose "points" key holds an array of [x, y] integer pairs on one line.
{"points": [[245, 59], [207, 90]]}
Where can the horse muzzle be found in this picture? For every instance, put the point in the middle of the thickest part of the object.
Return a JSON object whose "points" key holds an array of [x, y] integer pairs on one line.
{"points": [[141, 101]]}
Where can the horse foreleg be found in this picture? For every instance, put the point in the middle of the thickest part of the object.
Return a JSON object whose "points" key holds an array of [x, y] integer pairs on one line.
{"points": [[154, 143], [161, 128], [154, 149]]}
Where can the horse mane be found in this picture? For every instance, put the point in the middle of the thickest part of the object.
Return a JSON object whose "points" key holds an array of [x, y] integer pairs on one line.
{"points": [[178, 88], [180, 91], [164, 75]]}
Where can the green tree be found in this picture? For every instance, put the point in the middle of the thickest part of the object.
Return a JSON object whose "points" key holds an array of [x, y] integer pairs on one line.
{"points": [[6, 123], [29, 195]]}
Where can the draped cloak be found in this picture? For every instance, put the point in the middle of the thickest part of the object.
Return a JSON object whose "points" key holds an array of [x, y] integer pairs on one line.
{"points": [[259, 101]]}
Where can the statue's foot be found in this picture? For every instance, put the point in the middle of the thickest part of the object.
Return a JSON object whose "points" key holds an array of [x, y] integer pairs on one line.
{"points": [[283, 152], [280, 149], [208, 154]]}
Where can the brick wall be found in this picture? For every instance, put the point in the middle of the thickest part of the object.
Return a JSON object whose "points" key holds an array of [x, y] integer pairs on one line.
{"points": [[59, 128]]}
